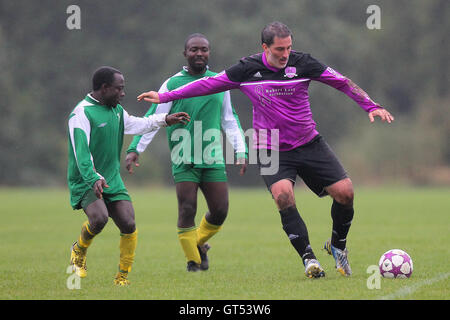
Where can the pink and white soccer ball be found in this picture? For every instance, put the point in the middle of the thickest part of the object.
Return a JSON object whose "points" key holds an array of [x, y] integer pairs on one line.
{"points": [[396, 263]]}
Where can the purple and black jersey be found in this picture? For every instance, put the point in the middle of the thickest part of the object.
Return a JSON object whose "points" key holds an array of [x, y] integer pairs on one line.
{"points": [[279, 96]]}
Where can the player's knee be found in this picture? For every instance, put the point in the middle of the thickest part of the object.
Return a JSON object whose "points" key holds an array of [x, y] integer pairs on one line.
{"points": [[187, 209], [284, 200], [186, 213], [342, 192], [128, 226], [97, 223], [218, 215], [345, 197]]}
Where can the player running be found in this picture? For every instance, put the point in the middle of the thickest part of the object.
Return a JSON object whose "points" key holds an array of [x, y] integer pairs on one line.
{"points": [[277, 81], [197, 167], [96, 129]]}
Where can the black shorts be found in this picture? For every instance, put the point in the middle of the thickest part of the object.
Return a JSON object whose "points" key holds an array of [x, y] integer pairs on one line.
{"points": [[314, 162]]}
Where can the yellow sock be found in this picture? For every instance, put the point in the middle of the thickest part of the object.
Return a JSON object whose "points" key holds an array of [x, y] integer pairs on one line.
{"points": [[188, 241], [206, 231], [86, 236], [128, 244]]}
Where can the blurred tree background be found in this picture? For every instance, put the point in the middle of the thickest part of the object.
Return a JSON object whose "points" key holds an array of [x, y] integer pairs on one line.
{"points": [[46, 70]]}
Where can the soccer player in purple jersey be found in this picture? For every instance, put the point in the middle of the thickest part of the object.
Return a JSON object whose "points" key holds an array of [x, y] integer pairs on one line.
{"points": [[277, 81]]}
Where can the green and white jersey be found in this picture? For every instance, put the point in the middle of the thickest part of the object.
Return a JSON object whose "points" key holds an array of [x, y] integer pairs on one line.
{"points": [[95, 141], [197, 144]]}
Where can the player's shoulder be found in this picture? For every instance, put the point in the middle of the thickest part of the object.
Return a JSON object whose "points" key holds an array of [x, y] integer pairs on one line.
{"points": [[245, 68], [174, 77], [300, 57], [119, 108], [175, 80], [306, 64], [210, 73], [254, 60], [80, 107]]}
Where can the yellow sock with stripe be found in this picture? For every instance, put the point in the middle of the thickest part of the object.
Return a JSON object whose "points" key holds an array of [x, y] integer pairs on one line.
{"points": [[188, 241], [86, 236], [205, 231], [128, 242]]}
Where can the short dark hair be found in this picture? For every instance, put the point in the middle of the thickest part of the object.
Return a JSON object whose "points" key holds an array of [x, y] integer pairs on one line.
{"points": [[103, 75], [272, 30], [194, 35]]}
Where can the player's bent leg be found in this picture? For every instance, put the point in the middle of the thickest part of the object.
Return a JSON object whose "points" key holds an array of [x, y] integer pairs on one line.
{"points": [[342, 214], [214, 187], [187, 231], [79, 250], [127, 245], [295, 227], [122, 213], [97, 214], [187, 203], [283, 193], [216, 195], [342, 191]]}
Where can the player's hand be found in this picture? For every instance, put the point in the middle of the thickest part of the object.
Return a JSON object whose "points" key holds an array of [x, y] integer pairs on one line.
{"points": [[132, 158], [150, 96], [243, 163], [98, 187], [179, 117], [382, 113]]}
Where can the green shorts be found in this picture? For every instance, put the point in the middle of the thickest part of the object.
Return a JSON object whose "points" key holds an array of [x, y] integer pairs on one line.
{"points": [[115, 192], [199, 175]]}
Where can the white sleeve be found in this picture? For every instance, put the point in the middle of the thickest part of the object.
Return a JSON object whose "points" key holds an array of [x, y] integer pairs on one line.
{"points": [[138, 125], [161, 108], [230, 125]]}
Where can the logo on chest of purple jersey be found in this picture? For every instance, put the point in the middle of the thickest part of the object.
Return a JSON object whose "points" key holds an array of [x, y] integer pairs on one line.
{"points": [[290, 72]]}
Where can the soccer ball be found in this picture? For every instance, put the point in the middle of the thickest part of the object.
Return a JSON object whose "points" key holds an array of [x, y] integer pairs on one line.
{"points": [[395, 263]]}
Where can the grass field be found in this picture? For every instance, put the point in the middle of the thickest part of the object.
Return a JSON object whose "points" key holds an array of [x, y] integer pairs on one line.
{"points": [[250, 258]]}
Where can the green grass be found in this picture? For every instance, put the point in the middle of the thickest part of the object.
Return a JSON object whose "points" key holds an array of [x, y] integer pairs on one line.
{"points": [[251, 257]]}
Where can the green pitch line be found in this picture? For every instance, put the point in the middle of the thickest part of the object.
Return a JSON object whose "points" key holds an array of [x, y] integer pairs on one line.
{"points": [[250, 258]]}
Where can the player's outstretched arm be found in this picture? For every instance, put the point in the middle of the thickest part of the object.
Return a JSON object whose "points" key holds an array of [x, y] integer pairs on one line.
{"points": [[150, 96], [201, 87], [382, 113]]}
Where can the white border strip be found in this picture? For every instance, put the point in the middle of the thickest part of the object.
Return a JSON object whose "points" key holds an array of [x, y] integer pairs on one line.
{"points": [[410, 289], [274, 82]]}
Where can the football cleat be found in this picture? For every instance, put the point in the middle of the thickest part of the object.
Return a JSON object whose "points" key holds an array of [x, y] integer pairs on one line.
{"points": [[313, 269], [341, 258], [204, 265], [78, 260], [192, 266], [121, 279]]}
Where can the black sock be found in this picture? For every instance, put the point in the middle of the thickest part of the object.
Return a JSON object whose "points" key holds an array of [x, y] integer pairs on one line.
{"points": [[295, 228], [342, 219]]}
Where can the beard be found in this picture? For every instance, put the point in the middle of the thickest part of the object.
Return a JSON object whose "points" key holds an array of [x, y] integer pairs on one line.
{"points": [[112, 103], [198, 67]]}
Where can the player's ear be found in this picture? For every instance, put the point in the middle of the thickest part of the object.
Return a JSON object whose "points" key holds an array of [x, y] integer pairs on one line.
{"points": [[104, 87]]}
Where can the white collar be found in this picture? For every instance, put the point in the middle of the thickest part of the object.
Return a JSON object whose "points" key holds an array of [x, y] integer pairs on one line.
{"points": [[90, 96]]}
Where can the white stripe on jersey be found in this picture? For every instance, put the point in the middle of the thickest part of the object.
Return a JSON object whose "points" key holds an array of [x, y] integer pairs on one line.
{"points": [[274, 82], [80, 121]]}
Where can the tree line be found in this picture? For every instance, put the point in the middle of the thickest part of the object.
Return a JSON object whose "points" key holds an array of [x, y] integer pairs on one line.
{"points": [[46, 69]]}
